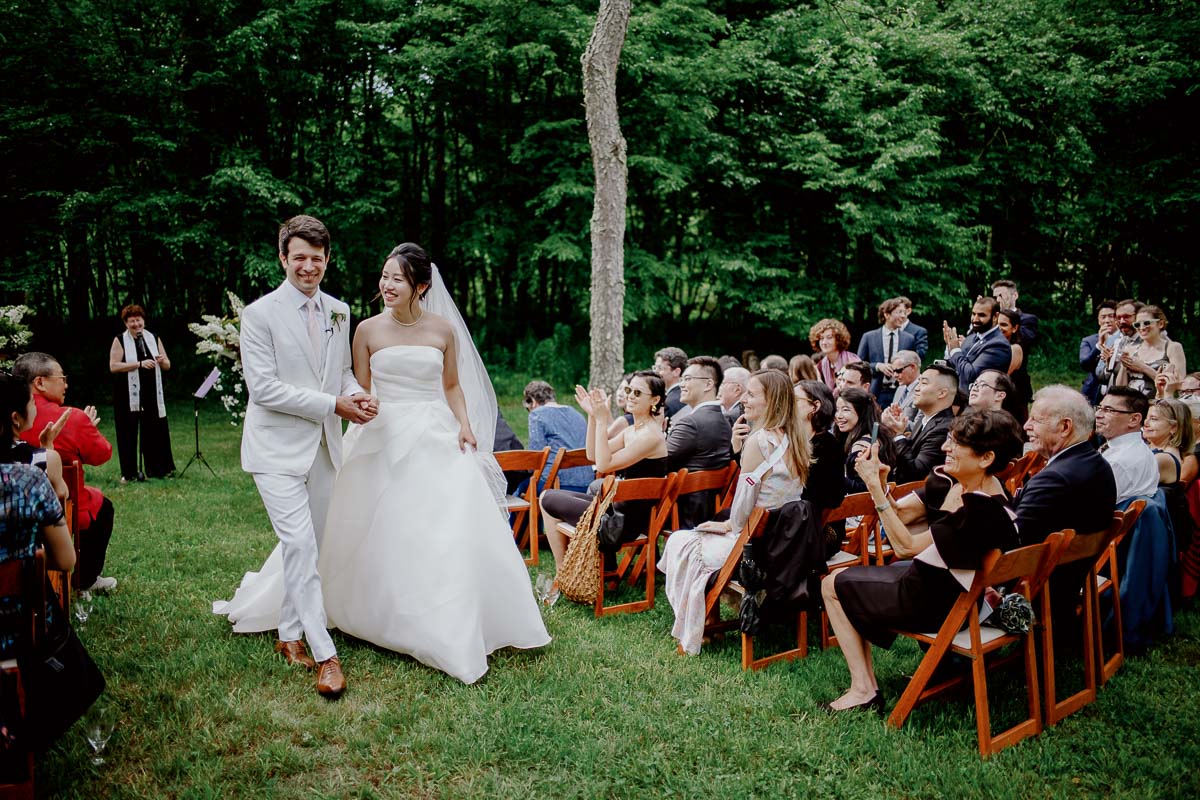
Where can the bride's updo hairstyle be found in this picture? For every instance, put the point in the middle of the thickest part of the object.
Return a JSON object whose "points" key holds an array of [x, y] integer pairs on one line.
{"points": [[415, 263]]}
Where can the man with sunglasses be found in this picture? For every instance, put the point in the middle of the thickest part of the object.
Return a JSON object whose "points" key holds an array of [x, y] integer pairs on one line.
{"points": [[906, 366], [1119, 418], [79, 440]]}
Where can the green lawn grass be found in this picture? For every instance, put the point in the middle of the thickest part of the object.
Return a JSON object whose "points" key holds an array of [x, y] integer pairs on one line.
{"points": [[607, 710]]}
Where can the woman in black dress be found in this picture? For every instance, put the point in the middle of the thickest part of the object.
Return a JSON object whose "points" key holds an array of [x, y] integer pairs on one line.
{"points": [[639, 451], [826, 487], [865, 604], [855, 416]]}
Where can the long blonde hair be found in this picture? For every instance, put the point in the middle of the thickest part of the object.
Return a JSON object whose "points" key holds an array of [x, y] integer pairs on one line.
{"points": [[781, 414]]}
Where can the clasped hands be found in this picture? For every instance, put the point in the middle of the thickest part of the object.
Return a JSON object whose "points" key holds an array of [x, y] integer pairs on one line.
{"points": [[359, 408], [953, 340]]}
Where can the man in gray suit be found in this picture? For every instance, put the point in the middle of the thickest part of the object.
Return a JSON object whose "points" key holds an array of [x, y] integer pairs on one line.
{"points": [[699, 440]]}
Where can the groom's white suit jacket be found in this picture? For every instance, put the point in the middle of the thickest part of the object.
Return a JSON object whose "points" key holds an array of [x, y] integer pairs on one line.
{"points": [[291, 395]]}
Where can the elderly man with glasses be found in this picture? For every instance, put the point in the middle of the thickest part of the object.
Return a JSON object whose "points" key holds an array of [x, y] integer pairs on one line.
{"points": [[1119, 418], [79, 440]]}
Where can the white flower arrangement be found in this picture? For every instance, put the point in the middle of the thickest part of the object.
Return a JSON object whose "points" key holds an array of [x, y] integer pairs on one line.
{"points": [[15, 335], [221, 341]]}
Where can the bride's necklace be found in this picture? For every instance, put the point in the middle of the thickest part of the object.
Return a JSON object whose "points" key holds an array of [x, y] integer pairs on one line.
{"points": [[406, 324]]}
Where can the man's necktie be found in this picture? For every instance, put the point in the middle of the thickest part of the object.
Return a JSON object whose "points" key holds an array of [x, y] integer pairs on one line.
{"points": [[314, 328]]}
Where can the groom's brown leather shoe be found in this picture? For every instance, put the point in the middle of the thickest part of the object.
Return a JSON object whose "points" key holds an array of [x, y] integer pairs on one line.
{"points": [[295, 654], [330, 680]]}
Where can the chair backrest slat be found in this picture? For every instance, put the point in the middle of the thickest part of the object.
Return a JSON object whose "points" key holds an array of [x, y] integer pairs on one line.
{"points": [[522, 460]]}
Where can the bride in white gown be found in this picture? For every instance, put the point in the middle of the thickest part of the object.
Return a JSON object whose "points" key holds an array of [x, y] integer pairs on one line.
{"points": [[416, 555]]}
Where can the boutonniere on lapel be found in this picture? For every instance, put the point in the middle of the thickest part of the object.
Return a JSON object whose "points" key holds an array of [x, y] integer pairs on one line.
{"points": [[336, 318]]}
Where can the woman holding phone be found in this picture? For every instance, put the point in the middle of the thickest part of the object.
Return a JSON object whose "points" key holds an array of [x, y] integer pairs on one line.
{"points": [[857, 423]]}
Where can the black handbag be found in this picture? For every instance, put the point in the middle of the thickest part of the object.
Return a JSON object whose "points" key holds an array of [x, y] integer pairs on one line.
{"points": [[610, 530], [61, 683]]}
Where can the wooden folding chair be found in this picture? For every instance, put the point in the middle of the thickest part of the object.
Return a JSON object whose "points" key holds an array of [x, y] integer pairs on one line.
{"points": [[1106, 668], [524, 509], [566, 459], [854, 549], [23, 580], [1094, 550], [1028, 568], [883, 552], [636, 557], [1015, 474], [64, 583], [713, 624], [708, 480]]}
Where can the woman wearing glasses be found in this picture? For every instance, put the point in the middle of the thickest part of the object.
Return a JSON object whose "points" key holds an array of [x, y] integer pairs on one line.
{"points": [[1156, 353], [639, 451]]}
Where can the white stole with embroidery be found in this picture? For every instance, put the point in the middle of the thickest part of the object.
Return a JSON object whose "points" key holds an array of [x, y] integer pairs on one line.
{"points": [[135, 380]]}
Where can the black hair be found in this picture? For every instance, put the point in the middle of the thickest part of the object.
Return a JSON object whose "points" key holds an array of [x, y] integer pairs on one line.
{"points": [[14, 399], [822, 397], [717, 373], [985, 430], [868, 413], [1135, 401], [416, 265], [658, 389]]}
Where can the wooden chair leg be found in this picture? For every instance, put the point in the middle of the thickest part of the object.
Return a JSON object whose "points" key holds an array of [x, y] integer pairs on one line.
{"points": [[1106, 668]]}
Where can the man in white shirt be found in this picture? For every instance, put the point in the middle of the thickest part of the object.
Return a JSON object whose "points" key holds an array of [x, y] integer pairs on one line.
{"points": [[1119, 420]]}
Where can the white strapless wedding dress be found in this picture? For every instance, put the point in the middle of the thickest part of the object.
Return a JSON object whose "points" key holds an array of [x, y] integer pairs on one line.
{"points": [[415, 556]]}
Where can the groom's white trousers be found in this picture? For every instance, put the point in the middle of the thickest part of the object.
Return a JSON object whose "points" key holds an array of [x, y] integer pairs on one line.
{"points": [[297, 505]]}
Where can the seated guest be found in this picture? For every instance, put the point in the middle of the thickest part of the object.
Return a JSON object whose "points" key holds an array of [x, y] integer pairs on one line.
{"points": [[79, 440], [22, 410], [972, 518], [623, 419], [878, 347], [775, 362], [919, 446], [700, 440], [1189, 386], [855, 375], [1075, 490], [995, 390], [802, 368], [639, 452], [906, 368], [1010, 325], [831, 340], [669, 364], [1168, 431], [559, 428], [777, 454], [733, 388], [826, 486], [1119, 419], [854, 416], [1191, 461]]}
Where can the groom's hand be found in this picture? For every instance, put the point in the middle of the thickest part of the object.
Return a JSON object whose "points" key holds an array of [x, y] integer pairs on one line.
{"points": [[349, 408]]}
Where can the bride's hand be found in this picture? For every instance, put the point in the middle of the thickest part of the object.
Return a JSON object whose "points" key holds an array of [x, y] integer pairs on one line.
{"points": [[466, 437]]}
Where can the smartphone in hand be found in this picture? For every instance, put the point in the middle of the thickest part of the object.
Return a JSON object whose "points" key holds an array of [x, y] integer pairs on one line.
{"points": [[874, 432]]}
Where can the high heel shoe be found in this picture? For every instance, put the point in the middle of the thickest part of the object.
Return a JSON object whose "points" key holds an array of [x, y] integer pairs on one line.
{"points": [[875, 704]]}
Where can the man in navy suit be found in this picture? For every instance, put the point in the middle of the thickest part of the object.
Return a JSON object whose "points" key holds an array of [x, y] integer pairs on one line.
{"points": [[877, 348], [1076, 489], [919, 447], [985, 348], [1089, 349], [919, 334]]}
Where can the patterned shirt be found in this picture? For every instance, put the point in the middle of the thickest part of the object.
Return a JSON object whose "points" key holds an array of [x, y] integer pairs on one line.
{"points": [[27, 504]]}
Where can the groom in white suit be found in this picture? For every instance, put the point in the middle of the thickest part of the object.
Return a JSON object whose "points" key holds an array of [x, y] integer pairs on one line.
{"points": [[295, 345]]}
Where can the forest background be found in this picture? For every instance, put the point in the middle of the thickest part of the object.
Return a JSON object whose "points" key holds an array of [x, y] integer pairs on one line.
{"points": [[788, 161]]}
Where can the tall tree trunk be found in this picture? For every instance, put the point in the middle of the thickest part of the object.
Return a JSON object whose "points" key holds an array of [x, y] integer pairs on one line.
{"points": [[600, 61]]}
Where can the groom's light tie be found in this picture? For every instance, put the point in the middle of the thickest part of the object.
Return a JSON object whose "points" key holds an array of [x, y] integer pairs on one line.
{"points": [[314, 328]]}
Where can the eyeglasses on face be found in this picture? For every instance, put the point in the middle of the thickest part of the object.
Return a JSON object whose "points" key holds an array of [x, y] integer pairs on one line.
{"points": [[63, 378], [1111, 410], [696, 378], [982, 385]]}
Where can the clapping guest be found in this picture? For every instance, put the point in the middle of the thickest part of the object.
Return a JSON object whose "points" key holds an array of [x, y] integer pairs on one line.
{"points": [[906, 368], [777, 453], [802, 368], [79, 440], [919, 447], [640, 451], [831, 340], [559, 428], [137, 361], [1156, 353], [855, 417], [866, 605], [1089, 349]]}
